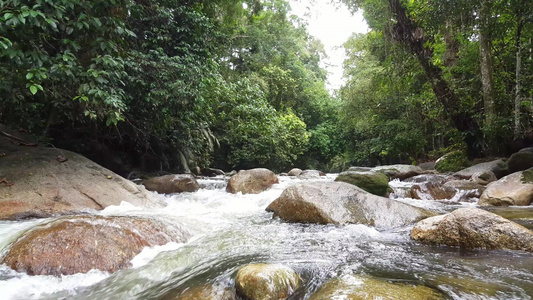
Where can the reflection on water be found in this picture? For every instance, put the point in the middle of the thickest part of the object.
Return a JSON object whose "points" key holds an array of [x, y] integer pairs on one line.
{"points": [[233, 230]]}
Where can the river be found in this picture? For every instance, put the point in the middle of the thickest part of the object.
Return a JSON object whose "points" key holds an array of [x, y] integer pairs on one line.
{"points": [[229, 231]]}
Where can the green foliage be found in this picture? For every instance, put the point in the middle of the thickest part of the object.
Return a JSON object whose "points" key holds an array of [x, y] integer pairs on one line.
{"points": [[253, 133]]}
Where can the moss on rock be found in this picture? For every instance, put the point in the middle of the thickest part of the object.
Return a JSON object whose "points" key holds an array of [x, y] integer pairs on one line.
{"points": [[452, 162], [372, 182]]}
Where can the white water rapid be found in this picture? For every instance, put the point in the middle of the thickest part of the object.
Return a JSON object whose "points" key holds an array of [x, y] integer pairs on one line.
{"points": [[229, 231]]}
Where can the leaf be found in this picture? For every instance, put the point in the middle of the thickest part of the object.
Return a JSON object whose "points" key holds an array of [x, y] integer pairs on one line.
{"points": [[29, 76], [33, 89], [8, 16]]}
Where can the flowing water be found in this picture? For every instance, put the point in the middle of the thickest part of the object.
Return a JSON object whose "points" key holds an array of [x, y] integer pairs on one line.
{"points": [[230, 231]]}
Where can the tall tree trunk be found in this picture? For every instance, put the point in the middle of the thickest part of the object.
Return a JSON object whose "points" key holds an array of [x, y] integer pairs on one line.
{"points": [[406, 32], [518, 86], [485, 14]]}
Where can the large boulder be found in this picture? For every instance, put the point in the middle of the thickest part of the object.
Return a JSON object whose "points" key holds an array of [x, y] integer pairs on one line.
{"points": [[472, 228], [399, 171], [452, 162], [266, 282], [372, 182], [364, 287], [342, 203], [514, 189], [498, 167], [169, 184], [520, 161], [41, 182], [252, 181], [80, 244]]}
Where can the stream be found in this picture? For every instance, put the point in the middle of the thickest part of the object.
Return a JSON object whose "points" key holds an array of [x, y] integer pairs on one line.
{"points": [[229, 231]]}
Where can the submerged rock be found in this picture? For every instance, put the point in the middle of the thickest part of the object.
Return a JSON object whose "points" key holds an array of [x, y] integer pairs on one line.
{"points": [[372, 182], [78, 245], [43, 182], [362, 287], [266, 282], [342, 203], [252, 181], [203, 292], [168, 184], [514, 189], [472, 228]]}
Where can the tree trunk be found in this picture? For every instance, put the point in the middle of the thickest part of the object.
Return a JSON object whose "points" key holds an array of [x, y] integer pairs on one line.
{"points": [[405, 31], [518, 86], [487, 81]]}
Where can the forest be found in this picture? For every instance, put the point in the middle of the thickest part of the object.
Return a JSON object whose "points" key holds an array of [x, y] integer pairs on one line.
{"points": [[179, 85]]}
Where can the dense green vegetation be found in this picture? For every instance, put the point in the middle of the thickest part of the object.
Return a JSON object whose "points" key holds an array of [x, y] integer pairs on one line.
{"points": [[433, 76], [180, 84]]}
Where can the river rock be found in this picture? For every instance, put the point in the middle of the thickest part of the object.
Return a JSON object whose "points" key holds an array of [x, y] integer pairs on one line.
{"points": [[175, 183], [80, 244], [399, 171], [514, 189], [484, 177], [427, 166], [472, 228], [431, 191], [452, 162], [498, 167], [309, 175], [520, 161], [266, 282], [295, 172], [359, 169], [363, 287], [203, 292], [252, 181], [41, 182], [211, 172], [342, 203], [372, 182]]}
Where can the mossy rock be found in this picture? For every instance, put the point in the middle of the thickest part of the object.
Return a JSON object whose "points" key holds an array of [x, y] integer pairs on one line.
{"points": [[373, 182], [266, 282], [452, 162], [359, 288]]}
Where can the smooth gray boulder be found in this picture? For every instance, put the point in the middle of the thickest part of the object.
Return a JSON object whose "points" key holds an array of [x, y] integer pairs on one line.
{"points": [[498, 167], [342, 203], [472, 228], [513, 189], [399, 171]]}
